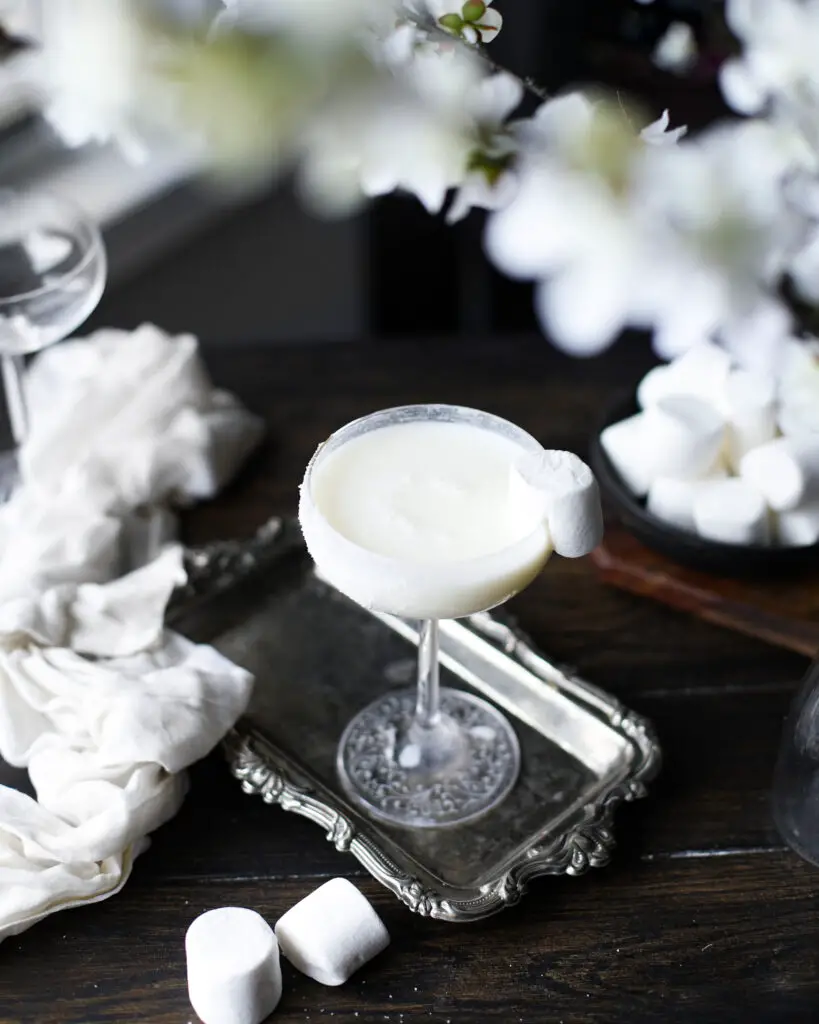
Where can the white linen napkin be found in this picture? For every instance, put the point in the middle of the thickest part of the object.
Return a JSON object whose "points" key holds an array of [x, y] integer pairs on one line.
{"points": [[102, 704]]}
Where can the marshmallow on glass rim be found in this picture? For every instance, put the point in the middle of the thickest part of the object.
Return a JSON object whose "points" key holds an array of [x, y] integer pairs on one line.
{"points": [[423, 512]]}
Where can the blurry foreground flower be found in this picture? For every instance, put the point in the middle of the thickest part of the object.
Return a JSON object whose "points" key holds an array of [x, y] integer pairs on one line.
{"points": [[92, 74], [799, 386], [313, 20], [780, 40], [676, 51], [688, 240], [417, 134]]}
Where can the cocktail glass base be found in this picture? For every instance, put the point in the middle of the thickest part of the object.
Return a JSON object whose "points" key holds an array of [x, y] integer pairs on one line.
{"points": [[460, 769]]}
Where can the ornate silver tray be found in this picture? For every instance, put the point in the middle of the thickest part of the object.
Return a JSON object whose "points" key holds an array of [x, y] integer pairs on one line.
{"points": [[318, 658]]}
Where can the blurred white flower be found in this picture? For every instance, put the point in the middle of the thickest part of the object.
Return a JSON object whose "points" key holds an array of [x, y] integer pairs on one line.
{"points": [[19, 18], [780, 40], [369, 146], [798, 386], [686, 240], [90, 72], [480, 191], [676, 51], [417, 135], [489, 184], [569, 223], [315, 19]]}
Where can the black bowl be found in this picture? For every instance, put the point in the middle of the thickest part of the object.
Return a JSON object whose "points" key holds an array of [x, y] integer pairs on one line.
{"points": [[747, 560]]}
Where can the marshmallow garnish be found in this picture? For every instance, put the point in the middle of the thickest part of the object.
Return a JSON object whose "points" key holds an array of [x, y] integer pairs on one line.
{"points": [[234, 975], [569, 498], [330, 933]]}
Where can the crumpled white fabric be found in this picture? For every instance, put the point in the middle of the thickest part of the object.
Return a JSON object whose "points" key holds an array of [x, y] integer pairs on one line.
{"points": [[101, 704]]}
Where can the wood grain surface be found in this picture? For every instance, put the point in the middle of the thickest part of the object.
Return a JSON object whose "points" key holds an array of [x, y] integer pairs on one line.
{"points": [[780, 611], [703, 916]]}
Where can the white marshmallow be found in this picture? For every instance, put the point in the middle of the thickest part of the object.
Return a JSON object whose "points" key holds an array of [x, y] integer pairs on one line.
{"points": [[733, 512], [330, 933], [682, 437], [700, 372], [749, 405], [672, 500], [569, 497], [624, 444], [785, 471], [798, 527], [657, 383], [234, 975], [703, 361]]}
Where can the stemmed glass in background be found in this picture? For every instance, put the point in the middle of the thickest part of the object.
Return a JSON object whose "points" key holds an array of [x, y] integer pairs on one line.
{"points": [[52, 275], [427, 757]]}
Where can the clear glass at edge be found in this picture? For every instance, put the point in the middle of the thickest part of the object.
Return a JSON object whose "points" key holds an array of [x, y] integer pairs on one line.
{"points": [[52, 275], [795, 794], [432, 756]]}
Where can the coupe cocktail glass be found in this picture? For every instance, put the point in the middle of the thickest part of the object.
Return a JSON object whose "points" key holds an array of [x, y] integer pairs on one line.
{"points": [[52, 274], [410, 511]]}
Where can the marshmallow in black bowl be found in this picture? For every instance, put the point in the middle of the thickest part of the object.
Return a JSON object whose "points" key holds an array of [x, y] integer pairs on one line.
{"points": [[708, 453]]}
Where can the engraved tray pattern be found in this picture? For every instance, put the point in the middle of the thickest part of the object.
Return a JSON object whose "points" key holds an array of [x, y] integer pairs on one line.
{"points": [[318, 658]]}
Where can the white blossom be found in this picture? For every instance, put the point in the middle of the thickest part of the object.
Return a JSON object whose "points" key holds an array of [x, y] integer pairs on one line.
{"points": [[676, 51], [313, 19], [686, 240], [19, 18], [780, 41], [798, 384], [492, 186], [416, 135], [90, 72], [478, 192]]}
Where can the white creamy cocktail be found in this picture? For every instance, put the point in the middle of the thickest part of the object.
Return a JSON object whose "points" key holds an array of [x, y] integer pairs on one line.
{"points": [[428, 512], [416, 517]]}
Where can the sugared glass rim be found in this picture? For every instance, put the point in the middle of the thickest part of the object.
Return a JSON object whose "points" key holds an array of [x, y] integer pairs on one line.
{"points": [[353, 428], [95, 244]]}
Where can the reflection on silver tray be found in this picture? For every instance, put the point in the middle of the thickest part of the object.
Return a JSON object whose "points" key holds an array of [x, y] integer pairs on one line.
{"points": [[318, 658]]}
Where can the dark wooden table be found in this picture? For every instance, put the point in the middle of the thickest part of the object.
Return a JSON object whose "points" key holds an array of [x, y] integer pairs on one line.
{"points": [[703, 916]]}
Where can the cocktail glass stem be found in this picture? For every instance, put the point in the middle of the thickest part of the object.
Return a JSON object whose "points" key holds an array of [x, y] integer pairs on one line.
{"points": [[428, 705], [14, 368], [433, 743]]}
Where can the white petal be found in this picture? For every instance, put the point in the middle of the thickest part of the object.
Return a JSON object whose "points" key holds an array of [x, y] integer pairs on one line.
{"points": [[582, 311], [804, 270], [497, 97], [518, 238], [739, 89], [477, 192], [657, 133], [677, 49], [490, 25]]}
